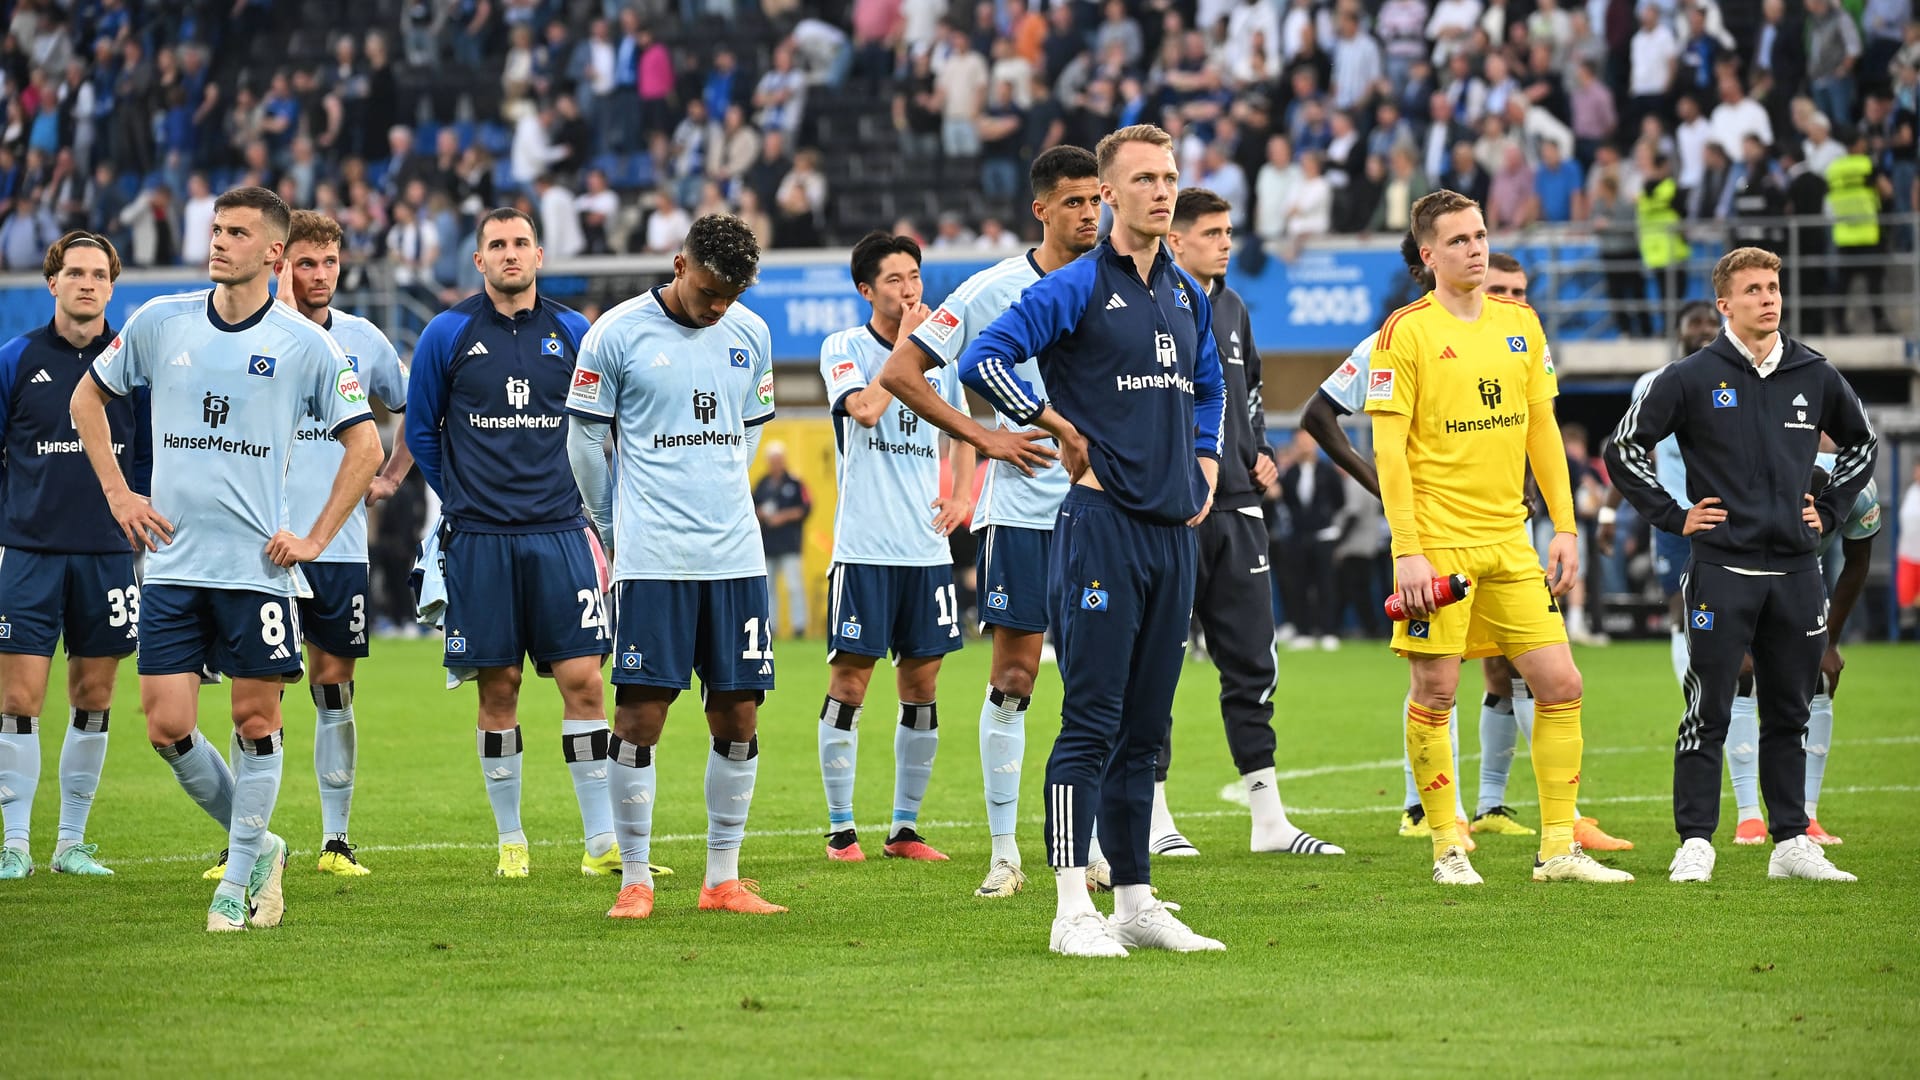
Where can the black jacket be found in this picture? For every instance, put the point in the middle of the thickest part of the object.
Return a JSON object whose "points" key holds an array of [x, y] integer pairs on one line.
{"points": [[1319, 511], [1749, 442], [1244, 436]]}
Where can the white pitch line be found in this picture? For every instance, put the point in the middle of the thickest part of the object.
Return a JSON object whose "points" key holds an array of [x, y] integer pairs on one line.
{"points": [[1035, 820]]}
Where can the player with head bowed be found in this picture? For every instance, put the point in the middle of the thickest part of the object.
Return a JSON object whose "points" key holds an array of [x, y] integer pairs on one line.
{"points": [[233, 377]]}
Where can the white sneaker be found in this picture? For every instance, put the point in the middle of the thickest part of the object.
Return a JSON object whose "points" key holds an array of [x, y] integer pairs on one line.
{"points": [[1154, 927], [1084, 934], [1329, 643], [1099, 876], [1577, 865], [265, 892], [1003, 879], [1452, 868], [1693, 862], [1173, 845], [1800, 857]]}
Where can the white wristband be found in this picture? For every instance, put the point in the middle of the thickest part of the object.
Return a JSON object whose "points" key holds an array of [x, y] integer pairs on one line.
{"points": [[1607, 515]]}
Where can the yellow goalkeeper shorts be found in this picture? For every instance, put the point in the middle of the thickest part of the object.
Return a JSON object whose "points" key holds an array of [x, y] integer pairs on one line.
{"points": [[1508, 610]]}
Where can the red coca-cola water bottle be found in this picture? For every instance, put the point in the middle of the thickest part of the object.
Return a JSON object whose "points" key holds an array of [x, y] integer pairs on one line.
{"points": [[1446, 590]]}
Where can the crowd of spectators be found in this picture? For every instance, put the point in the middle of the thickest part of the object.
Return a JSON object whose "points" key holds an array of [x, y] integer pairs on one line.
{"points": [[617, 121]]}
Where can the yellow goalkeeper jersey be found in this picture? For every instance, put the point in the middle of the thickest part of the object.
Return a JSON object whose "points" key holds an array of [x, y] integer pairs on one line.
{"points": [[1468, 388]]}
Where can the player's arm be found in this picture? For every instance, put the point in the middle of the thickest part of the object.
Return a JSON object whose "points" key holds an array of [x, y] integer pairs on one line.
{"points": [[1048, 310], [1844, 419], [904, 376], [1209, 400], [1547, 453], [761, 408], [116, 373], [1321, 419], [954, 511], [142, 479], [1393, 382], [9, 368], [335, 398], [390, 382], [1266, 465], [427, 398], [1653, 416], [587, 455], [1858, 557]]}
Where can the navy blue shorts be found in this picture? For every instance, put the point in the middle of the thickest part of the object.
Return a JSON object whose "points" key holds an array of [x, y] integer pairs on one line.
{"points": [[907, 610], [1670, 555], [334, 618], [1012, 565], [90, 600], [668, 631], [527, 594], [234, 632]]}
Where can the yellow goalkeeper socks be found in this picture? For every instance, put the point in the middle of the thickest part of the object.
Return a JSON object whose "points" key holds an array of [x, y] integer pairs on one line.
{"points": [[1431, 752], [1556, 769]]}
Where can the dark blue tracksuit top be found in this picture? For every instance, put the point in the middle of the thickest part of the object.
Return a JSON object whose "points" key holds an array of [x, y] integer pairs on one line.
{"points": [[487, 416], [1132, 364]]}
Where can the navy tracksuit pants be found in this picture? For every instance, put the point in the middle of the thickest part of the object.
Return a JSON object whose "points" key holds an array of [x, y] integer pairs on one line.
{"points": [[1122, 593]]}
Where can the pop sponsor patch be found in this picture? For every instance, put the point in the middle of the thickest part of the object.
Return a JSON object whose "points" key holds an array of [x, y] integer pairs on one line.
{"points": [[347, 385]]}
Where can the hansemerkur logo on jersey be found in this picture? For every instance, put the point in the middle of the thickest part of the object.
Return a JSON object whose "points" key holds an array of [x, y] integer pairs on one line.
{"points": [[909, 423], [1490, 392], [704, 406], [214, 409], [519, 393]]}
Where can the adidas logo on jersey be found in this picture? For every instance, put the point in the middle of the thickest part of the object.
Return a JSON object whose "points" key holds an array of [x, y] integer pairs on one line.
{"points": [[42, 376], [1799, 400], [1449, 354], [183, 360], [478, 349], [660, 360], [280, 653], [1114, 303]]}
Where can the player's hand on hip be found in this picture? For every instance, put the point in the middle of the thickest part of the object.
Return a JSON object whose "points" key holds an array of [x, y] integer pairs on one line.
{"points": [[1210, 472], [951, 513], [380, 489], [1810, 513], [1265, 472], [911, 319], [1415, 577], [1563, 563], [144, 526], [1073, 454], [1831, 665], [1703, 516], [285, 549], [1024, 450]]}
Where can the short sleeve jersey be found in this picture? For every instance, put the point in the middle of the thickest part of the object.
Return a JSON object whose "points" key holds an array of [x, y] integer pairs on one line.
{"points": [[682, 400], [228, 401], [1347, 386], [889, 473], [317, 456], [1468, 389], [1009, 496]]}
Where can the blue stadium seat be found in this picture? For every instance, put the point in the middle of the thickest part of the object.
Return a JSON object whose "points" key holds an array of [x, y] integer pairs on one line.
{"points": [[377, 171], [503, 181], [465, 128], [496, 138]]}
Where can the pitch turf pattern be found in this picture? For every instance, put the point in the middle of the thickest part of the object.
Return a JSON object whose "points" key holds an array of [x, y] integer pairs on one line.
{"points": [[1353, 966]]}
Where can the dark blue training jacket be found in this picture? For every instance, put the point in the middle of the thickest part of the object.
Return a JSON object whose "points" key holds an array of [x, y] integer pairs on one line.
{"points": [[1131, 364], [50, 499], [487, 417]]}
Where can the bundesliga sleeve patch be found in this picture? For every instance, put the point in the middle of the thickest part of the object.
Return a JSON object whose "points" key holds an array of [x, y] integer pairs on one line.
{"points": [[941, 325], [1344, 375], [347, 385], [841, 370], [1380, 386], [765, 391], [586, 386]]}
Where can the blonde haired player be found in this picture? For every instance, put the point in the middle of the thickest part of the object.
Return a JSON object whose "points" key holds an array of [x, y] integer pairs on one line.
{"points": [[1461, 390]]}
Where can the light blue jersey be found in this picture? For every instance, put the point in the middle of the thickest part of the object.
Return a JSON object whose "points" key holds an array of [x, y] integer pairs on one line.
{"points": [[228, 400], [1863, 517], [316, 456], [1669, 468], [1009, 496], [889, 473], [1347, 386], [683, 401]]}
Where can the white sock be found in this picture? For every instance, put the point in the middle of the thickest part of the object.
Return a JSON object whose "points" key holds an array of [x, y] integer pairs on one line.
{"points": [[1006, 849], [1161, 822], [723, 864], [1130, 900], [1070, 892], [1677, 650], [1264, 804]]}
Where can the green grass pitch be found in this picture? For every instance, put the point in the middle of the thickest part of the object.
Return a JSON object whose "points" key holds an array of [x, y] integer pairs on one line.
{"points": [[1356, 965]]}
